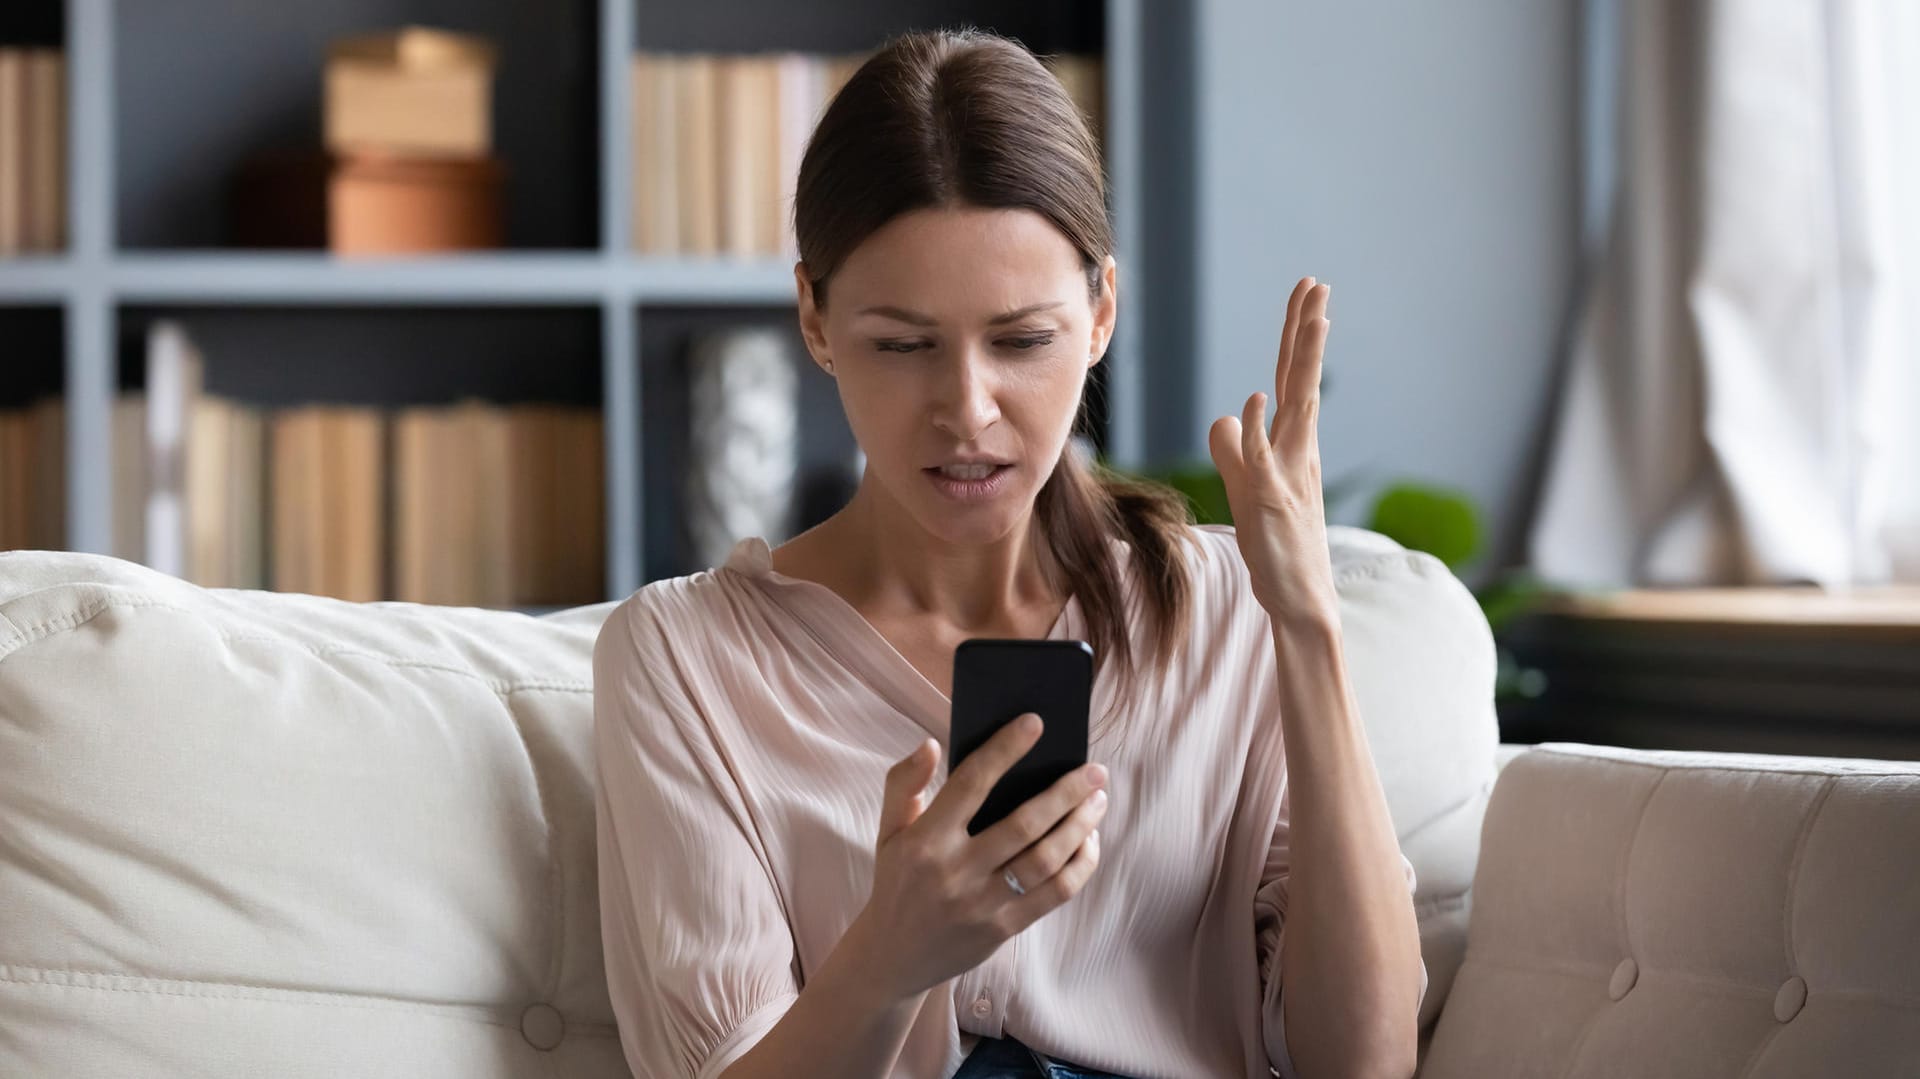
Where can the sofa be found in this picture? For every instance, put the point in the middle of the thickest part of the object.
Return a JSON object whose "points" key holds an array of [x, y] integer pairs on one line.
{"points": [[252, 834]]}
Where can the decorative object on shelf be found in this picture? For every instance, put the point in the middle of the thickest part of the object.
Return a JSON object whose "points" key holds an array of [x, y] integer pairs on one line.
{"points": [[744, 434], [33, 150], [397, 205], [409, 124], [413, 91]]}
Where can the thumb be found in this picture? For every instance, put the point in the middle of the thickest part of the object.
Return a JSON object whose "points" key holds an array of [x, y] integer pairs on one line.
{"points": [[1226, 441], [905, 797]]}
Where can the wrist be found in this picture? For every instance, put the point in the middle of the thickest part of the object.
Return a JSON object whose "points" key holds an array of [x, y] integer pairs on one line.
{"points": [[1311, 624], [857, 967]]}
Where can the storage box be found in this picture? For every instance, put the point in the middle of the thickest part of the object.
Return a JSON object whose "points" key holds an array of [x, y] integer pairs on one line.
{"points": [[385, 205], [414, 91]]}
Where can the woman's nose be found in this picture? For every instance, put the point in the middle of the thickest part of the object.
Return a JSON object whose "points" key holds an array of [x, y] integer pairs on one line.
{"points": [[965, 405]]}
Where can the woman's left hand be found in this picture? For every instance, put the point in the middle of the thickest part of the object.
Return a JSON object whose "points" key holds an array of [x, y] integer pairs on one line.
{"points": [[1272, 474]]}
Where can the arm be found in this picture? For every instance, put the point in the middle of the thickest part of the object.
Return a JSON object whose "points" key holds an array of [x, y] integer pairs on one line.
{"points": [[1349, 950], [700, 955], [837, 1026]]}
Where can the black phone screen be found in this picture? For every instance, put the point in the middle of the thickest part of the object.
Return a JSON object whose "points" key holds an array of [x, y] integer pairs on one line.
{"points": [[994, 682]]}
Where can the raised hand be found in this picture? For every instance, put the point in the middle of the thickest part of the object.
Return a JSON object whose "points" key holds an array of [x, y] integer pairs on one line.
{"points": [[1272, 473]]}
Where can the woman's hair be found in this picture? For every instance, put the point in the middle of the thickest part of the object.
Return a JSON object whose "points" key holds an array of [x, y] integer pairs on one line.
{"points": [[968, 119]]}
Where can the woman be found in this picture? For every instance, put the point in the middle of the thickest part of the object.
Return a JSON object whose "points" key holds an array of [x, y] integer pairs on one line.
{"points": [[787, 884]]}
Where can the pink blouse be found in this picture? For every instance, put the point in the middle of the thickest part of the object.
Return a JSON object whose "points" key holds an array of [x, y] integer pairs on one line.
{"points": [[744, 722]]}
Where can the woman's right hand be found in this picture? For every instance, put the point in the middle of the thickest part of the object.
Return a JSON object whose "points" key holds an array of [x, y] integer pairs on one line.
{"points": [[940, 903]]}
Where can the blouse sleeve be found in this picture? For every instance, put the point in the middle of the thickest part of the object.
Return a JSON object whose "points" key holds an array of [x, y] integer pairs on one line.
{"points": [[1269, 927], [698, 949]]}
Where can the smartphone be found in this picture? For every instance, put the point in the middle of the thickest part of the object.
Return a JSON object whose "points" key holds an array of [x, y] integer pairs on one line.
{"points": [[994, 683]]}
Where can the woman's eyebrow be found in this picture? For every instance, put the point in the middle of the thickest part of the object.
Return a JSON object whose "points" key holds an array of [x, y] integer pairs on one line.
{"points": [[917, 319]]}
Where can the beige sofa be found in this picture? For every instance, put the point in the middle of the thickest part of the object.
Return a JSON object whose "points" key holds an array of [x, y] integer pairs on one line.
{"points": [[245, 834]]}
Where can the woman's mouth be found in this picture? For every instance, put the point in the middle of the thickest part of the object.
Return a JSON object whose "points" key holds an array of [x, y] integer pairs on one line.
{"points": [[969, 482]]}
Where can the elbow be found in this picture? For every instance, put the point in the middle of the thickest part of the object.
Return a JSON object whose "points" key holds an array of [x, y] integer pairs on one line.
{"points": [[1388, 1051]]}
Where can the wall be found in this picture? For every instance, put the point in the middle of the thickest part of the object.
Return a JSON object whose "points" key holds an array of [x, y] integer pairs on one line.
{"points": [[1421, 158]]}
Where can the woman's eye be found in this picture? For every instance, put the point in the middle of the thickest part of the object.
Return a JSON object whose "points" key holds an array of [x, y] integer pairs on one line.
{"points": [[1025, 343], [897, 346]]}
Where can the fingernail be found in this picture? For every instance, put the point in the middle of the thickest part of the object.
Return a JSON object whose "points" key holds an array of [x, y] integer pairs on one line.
{"points": [[1100, 799], [1030, 723], [1099, 773]]}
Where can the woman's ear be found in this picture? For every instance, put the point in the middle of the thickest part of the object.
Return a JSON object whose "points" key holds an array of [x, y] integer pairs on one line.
{"points": [[810, 319], [1106, 309]]}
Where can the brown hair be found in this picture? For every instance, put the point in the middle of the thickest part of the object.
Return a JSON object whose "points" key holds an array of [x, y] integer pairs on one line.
{"points": [[967, 118]]}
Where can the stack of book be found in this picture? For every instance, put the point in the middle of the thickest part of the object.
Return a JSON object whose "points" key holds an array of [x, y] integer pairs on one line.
{"points": [[469, 504], [33, 150], [717, 142], [33, 493]]}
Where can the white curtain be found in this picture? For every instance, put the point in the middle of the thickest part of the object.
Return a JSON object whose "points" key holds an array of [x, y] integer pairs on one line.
{"points": [[1743, 401]]}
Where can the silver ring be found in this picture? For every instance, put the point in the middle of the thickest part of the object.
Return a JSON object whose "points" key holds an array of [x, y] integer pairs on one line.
{"points": [[1013, 882]]}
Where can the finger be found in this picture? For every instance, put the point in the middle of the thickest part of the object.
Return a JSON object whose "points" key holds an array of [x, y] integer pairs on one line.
{"points": [[1289, 333], [906, 788], [1042, 898], [1225, 439], [993, 848], [1254, 447], [973, 778], [1051, 852], [1301, 417]]}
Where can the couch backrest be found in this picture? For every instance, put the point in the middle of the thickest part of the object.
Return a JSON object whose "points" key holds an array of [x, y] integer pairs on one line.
{"points": [[1690, 915], [246, 833], [249, 834]]}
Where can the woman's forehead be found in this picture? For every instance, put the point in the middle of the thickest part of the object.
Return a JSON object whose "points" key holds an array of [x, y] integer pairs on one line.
{"points": [[960, 265]]}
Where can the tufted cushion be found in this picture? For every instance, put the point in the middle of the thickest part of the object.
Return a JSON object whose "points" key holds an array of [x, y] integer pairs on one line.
{"points": [[245, 834], [1422, 663], [1691, 915]]}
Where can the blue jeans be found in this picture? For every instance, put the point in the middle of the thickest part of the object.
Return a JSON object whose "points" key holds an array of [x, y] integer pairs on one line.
{"points": [[1009, 1058]]}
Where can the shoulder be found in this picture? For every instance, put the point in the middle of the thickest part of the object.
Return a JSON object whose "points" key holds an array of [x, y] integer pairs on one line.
{"points": [[670, 631]]}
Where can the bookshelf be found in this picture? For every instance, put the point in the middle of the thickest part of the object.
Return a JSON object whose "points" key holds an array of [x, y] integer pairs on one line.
{"points": [[164, 101]]}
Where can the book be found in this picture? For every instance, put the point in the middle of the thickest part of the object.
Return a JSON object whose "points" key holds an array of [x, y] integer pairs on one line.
{"points": [[13, 159], [328, 500], [45, 136], [246, 523], [744, 110], [16, 480], [696, 154], [205, 489], [656, 221], [294, 457], [802, 95], [47, 522]]}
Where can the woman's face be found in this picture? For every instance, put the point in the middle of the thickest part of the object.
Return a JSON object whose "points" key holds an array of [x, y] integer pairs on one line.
{"points": [[961, 339]]}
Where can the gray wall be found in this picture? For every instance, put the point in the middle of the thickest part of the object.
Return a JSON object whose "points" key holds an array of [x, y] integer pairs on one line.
{"points": [[1421, 158]]}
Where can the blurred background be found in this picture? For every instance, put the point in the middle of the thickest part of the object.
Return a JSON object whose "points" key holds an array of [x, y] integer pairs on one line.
{"points": [[490, 302]]}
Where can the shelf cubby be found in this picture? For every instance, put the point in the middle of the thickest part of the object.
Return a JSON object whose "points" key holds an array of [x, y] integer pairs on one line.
{"points": [[203, 86]]}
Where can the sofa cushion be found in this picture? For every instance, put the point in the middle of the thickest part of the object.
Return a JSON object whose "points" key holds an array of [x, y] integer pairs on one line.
{"points": [[1691, 915], [1422, 664], [253, 834]]}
